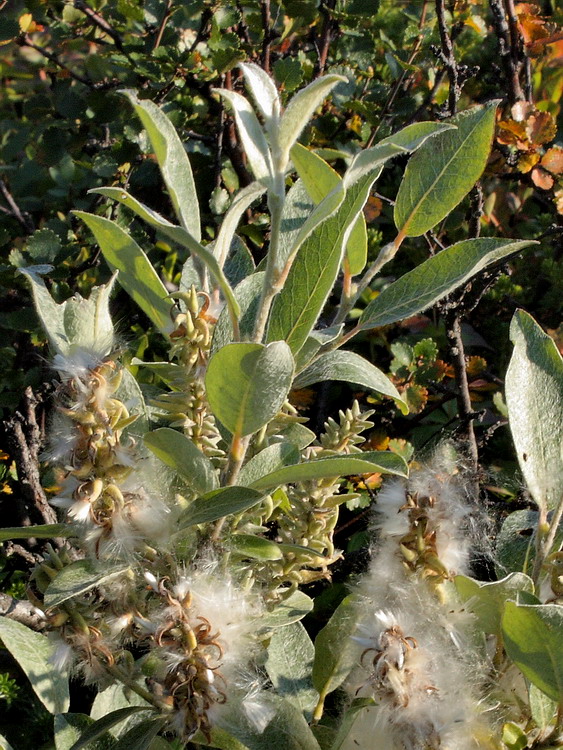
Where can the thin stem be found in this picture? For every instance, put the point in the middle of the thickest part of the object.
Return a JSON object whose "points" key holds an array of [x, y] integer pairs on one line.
{"points": [[120, 675], [386, 254], [448, 57], [544, 542], [273, 280]]}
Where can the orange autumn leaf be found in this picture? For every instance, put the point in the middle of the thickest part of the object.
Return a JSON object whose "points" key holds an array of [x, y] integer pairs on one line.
{"points": [[372, 209], [302, 398], [559, 201], [475, 365], [527, 161], [541, 127], [552, 160], [377, 441], [542, 179], [513, 133]]}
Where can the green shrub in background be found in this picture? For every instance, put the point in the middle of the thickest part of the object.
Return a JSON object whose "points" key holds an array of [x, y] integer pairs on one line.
{"points": [[192, 517]]}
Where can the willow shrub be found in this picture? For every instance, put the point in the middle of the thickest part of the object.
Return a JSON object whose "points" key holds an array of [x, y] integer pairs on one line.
{"points": [[189, 523]]}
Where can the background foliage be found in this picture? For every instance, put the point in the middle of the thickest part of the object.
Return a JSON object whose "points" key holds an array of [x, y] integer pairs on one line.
{"points": [[66, 129]]}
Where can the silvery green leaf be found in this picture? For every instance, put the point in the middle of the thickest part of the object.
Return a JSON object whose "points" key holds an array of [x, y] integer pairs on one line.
{"points": [[267, 460], [319, 179], [444, 170], [242, 200], [172, 160], [351, 368], [137, 275], [247, 295], [88, 322], [336, 652], [76, 322], [533, 634], [177, 451], [543, 708], [264, 93], [33, 652], [435, 278], [299, 111], [71, 727], [251, 134], [248, 383], [292, 609], [534, 397], [289, 663], [78, 578], [4, 744], [116, 697], [101, 726], [315, 340], [44, 531], [175, 233], [297, 207]]}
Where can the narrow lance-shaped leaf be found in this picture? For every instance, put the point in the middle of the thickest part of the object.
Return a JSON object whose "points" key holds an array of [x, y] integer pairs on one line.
{"points": [[264, 93], [179, 235], [297, 208], [78, 578], [534, 397], [49, 312], [225, 501], [242, 200], [361, 463], [533, 635], [351, 368], [299, 111], [251, 134], [320, 178], [444, 170], [315, 268], [177, 451], [137, 276], [435, 278], [268, 460], [172, 160], [44, 531], [247, 384], [33, 652], [100, 727], [335, 651]]}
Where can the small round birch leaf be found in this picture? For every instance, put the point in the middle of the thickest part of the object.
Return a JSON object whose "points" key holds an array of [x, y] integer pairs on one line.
{"points": [[247, 384], [534, 397]]}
